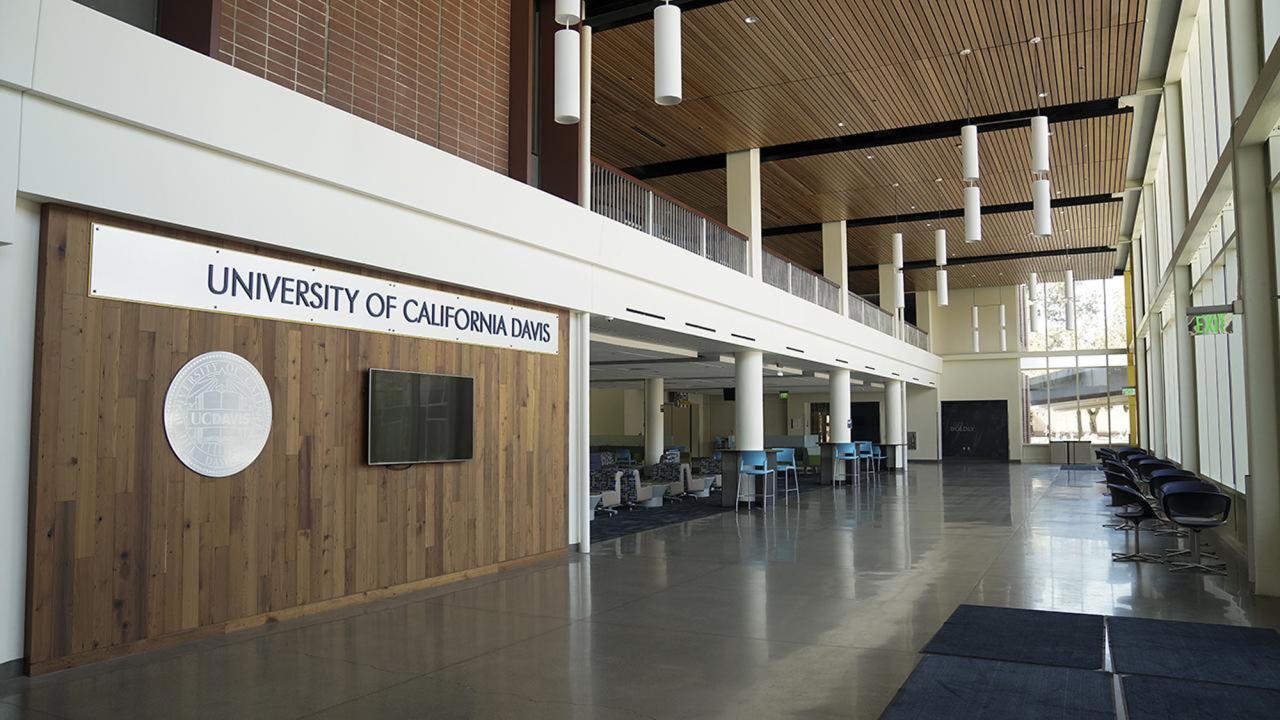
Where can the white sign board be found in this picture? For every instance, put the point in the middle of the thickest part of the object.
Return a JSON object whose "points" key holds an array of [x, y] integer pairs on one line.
{"points": [[146, 268]]}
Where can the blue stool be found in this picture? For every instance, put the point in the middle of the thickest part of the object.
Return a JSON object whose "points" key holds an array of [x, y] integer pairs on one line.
{"points": [[786, 463], [845, 453], [753, 464]]}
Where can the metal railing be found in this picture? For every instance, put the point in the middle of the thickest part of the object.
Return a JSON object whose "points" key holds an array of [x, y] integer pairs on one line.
{"points": [[915, 336], [801, 282], [869, 314], [620, 197]]}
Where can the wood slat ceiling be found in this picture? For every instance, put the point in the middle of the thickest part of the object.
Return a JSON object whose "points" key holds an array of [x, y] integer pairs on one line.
{"points": [[876, 65]]}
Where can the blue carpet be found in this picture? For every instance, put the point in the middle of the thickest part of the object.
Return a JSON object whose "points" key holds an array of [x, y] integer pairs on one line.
{"points": [[1226, 654], [1025, 636], [955, 688], [1154, 698]]}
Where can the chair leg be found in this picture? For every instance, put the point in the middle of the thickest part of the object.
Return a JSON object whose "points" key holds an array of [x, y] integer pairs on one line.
{"points": [[1198, 562], [1137, 555]]}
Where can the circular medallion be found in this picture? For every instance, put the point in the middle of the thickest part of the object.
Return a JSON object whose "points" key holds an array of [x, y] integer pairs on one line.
{"points": [[217, 414]]}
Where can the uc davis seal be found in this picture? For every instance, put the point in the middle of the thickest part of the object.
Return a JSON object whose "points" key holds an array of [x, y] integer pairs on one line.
{"points": [[217, 414]]}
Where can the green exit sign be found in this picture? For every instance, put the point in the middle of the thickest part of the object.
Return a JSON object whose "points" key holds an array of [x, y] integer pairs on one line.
{"points": [[1210, 324]]}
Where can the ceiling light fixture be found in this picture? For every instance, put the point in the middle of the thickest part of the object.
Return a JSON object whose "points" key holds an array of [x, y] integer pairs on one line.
{"points": [[568, 70], [940, 259], [1042, 220], [969, 160], [752, 20], [668, 88]]}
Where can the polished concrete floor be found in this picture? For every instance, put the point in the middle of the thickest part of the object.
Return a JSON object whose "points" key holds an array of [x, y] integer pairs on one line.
{"points": [[815, 609]]}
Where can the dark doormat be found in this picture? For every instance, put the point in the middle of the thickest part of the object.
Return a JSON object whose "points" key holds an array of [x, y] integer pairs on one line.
{"points": [[1156, 698], [1227, 654], [1026, 636], [957, 688]]}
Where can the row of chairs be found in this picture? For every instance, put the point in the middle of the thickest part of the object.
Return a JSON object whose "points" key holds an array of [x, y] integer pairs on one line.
{"points": [[857, 454], [755, 464], [1145, 488]]}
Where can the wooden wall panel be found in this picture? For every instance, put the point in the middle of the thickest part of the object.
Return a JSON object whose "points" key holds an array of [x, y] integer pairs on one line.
{"points": [[129, 549]]}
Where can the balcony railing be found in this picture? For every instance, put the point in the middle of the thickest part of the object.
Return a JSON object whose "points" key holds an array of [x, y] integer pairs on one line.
{"points": [[915, 336], [801, 282], [621, 197], [870, 315]]}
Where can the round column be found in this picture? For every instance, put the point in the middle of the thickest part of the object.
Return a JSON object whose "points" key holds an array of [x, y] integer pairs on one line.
{"points": [[840, 431], [654, 390], [748, 407]]}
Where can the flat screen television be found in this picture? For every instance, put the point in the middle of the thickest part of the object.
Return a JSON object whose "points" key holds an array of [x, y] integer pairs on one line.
{"points": [[419, 417]]}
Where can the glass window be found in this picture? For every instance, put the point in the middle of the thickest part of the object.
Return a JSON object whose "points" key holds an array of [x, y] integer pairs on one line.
{"points": [[1091, 315], [1117, 317]]}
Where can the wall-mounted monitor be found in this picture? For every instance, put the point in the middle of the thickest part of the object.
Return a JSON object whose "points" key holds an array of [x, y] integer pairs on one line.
{"points": [[419, 418]]}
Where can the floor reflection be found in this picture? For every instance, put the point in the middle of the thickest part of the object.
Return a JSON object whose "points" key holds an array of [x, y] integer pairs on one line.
{"points": [[816, 607]]}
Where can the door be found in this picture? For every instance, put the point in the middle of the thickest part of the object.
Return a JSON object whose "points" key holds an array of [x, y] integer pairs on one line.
{"points": [[865, 417], [975, 429]]}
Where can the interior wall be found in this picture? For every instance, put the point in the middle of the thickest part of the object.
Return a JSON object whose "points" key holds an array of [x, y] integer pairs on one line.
{"points": [[987, 379], [923, 416], [130, 550], [951, 327], [17, 327], [441, 79]]}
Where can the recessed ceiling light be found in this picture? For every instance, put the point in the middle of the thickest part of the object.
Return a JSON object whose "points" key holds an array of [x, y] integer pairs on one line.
{"points": [[870, 156], [840, 124], [896, 184], [751, 19], [1044, 94], [937, 179], [913, 207]]}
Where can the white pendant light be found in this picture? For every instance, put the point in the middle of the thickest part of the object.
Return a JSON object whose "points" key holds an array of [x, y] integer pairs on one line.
{"points": [[1070, 292], [667, 83], [1035, 311], [568, 72], [969, 145], [1041, 213], [568, 12], [972, 214], [897, 251], [902, 290], [977, 347], [940, 259], [1004, 334], [1039, 145]]}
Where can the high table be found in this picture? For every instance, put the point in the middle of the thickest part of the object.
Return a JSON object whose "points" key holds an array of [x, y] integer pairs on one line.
{"points": [[730, 477]]}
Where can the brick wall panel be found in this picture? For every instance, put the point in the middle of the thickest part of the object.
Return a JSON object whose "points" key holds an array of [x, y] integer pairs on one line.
{"points": [[434, 70]]}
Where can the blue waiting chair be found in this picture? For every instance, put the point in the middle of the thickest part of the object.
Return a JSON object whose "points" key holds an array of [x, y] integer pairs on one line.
{"points": [[845, 453], [786, 465], [878, 457], [754, 464]]}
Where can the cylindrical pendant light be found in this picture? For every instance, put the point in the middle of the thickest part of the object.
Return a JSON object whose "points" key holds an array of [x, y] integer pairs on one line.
{"points": [[902, 290], [1034, 309], [897, 251], [976, 341], [568, 96], [972, 214], [1069, 290], [944, 294], [568, 12], [1041, 214], [1039, 145], [667, 83], [969, 145], [940, 247]]}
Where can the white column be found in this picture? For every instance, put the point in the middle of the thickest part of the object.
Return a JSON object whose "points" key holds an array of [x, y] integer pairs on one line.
{"points": [[584, 124], [1176, 160], [895, 420], [654, 444], [742, 179], [840, 431], [835, 260], [888, 288], [1155, 355], [1144, 420], [580, 430], [1256, 245], [748, 407], [1185, 367]]}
